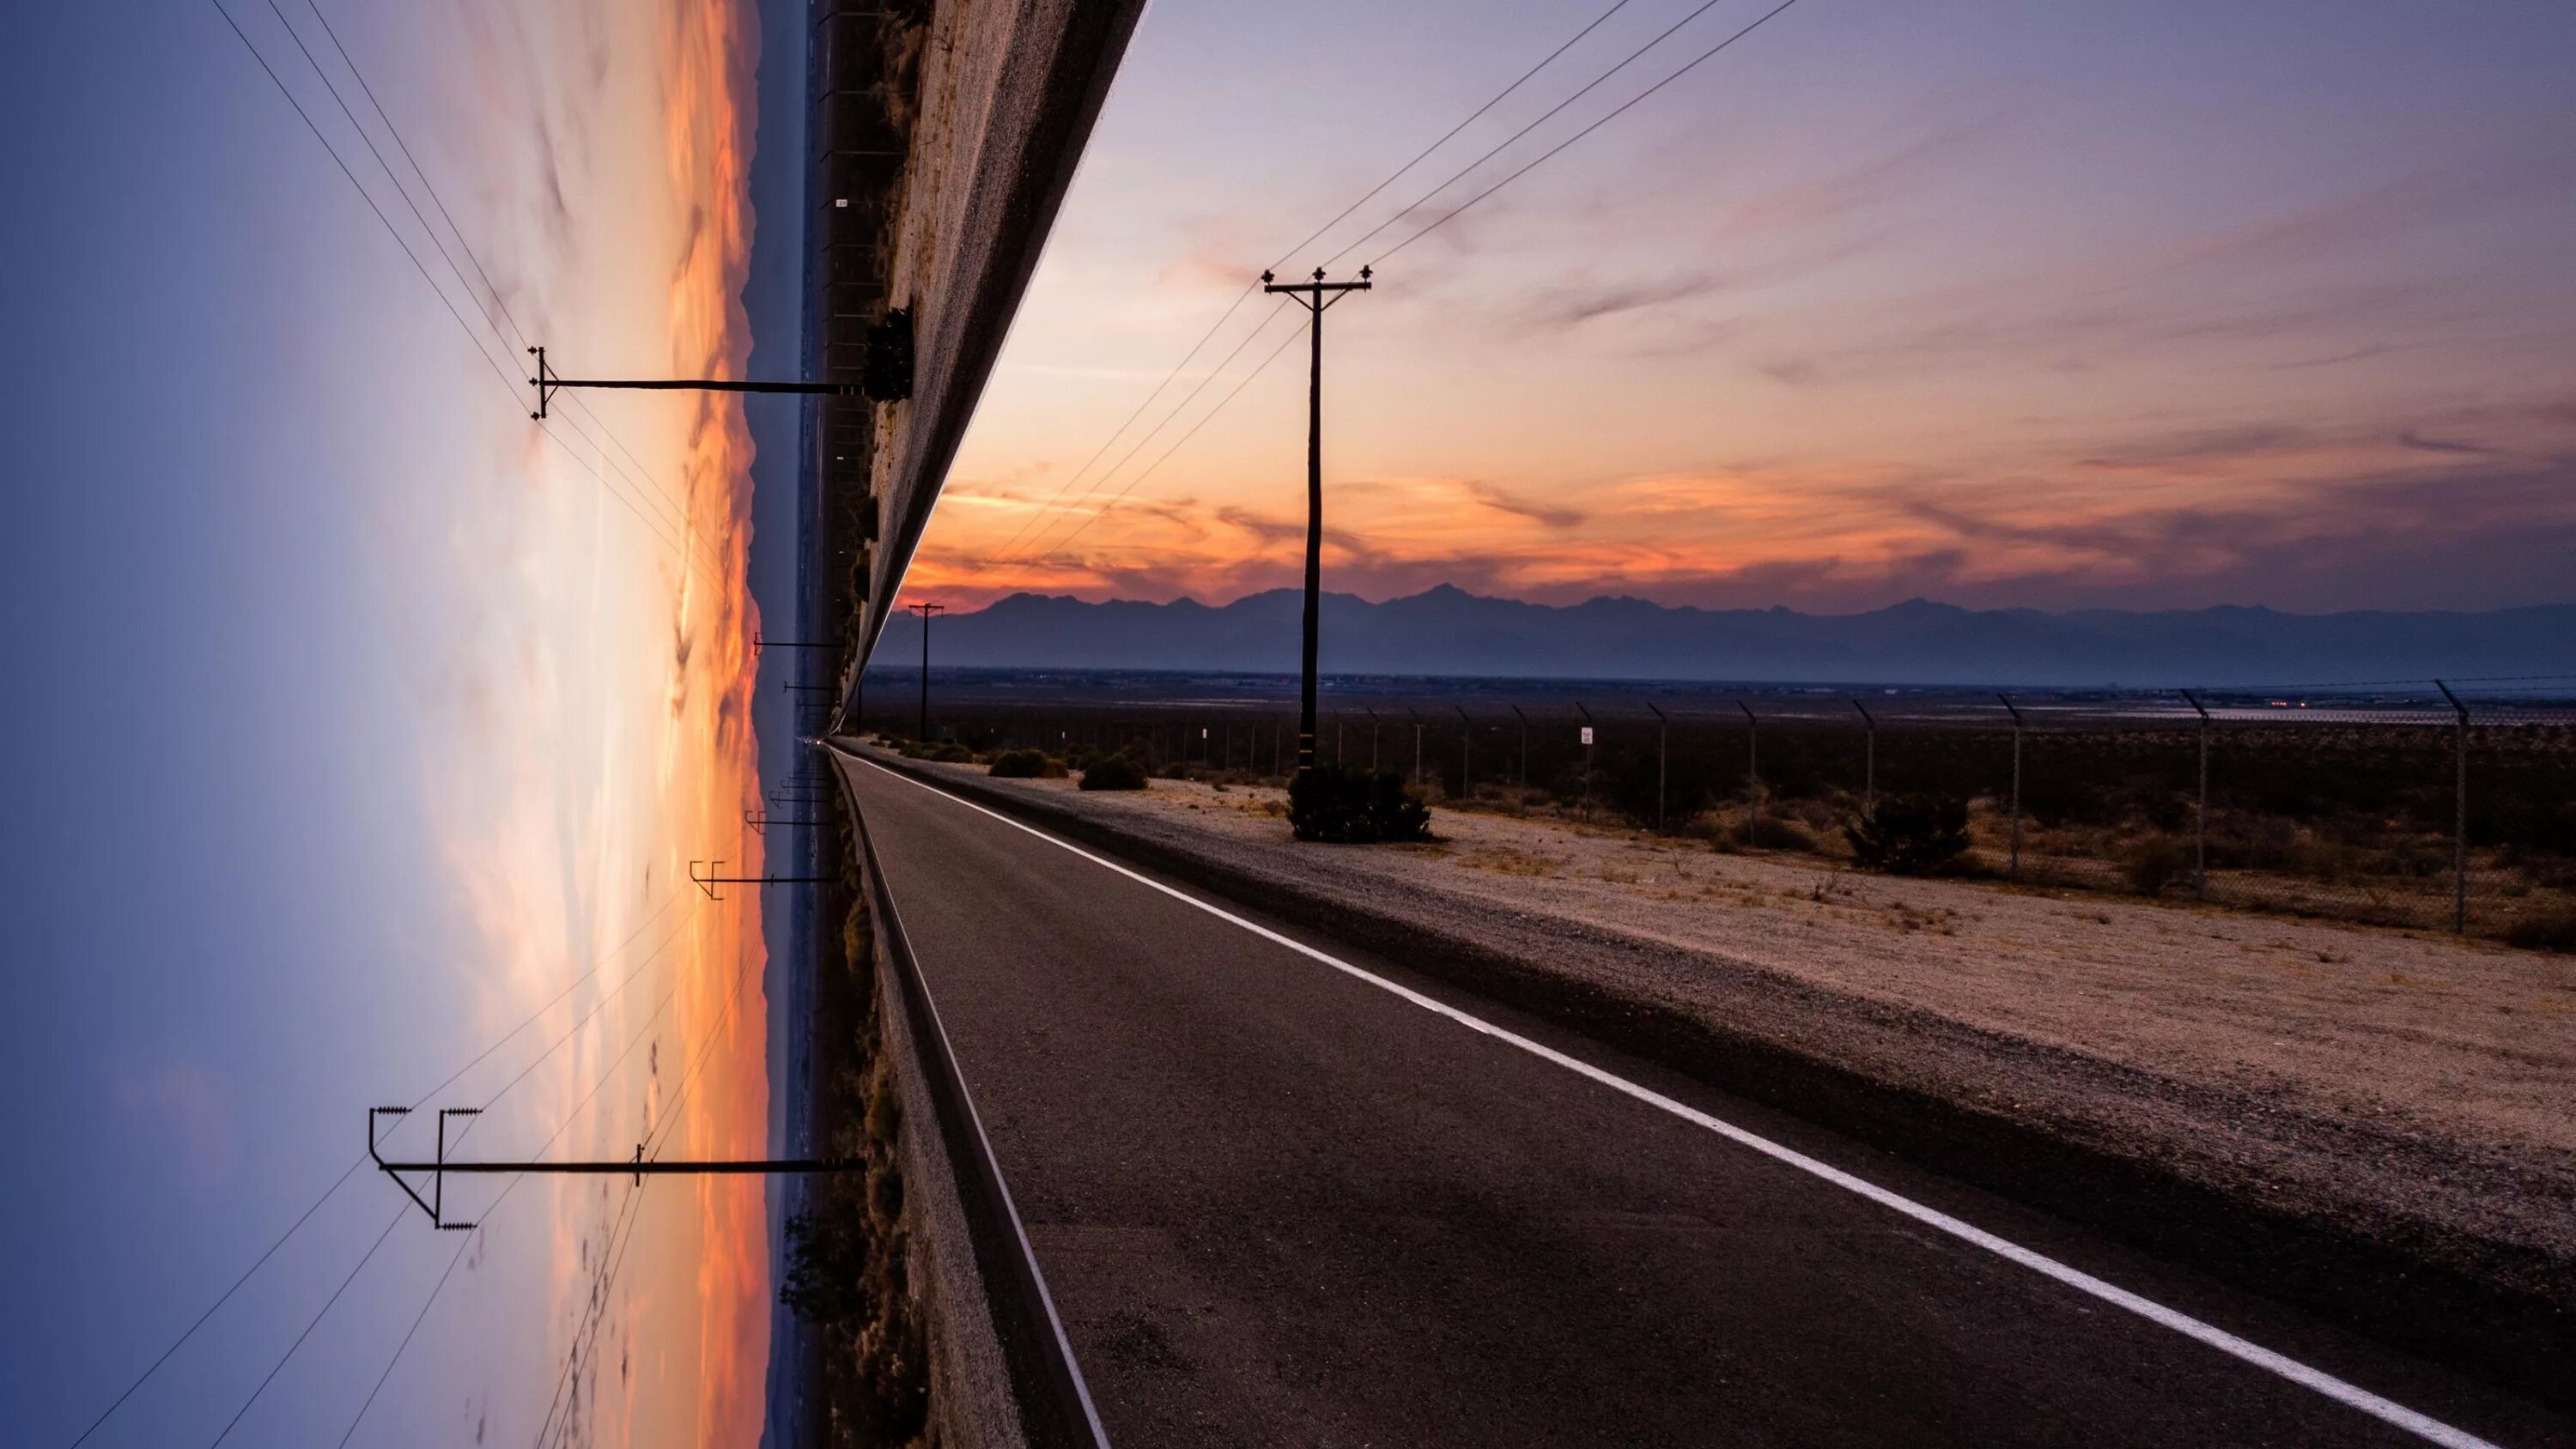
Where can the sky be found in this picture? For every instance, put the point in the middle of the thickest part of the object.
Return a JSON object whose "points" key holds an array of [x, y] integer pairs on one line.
{"points": [[1998, 302], [361, 730]]}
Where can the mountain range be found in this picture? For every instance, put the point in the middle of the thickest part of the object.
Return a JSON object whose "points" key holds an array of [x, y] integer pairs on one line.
{"points": [[1447, 631]]}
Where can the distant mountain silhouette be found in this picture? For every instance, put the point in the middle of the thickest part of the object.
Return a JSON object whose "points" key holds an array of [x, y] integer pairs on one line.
{"points": [[1448, 631]]}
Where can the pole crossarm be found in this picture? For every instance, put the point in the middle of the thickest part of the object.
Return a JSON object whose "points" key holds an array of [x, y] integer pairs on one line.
{"points": [[708, 883], [639, 1167], [758, 644]]}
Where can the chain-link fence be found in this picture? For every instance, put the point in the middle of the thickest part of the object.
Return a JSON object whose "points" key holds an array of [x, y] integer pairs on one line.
{"points": [[2428, 806]]}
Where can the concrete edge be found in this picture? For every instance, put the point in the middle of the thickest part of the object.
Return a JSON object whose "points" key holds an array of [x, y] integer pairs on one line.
{"points": [[1003, 1373], [2377, 1288]]}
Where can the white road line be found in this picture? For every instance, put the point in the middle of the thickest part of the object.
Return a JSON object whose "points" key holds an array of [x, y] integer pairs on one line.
{"points": [[2351, 1395]]}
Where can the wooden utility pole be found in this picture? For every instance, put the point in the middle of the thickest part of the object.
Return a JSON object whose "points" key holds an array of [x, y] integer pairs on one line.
{"points": [[925, 611], [1311, 296]]}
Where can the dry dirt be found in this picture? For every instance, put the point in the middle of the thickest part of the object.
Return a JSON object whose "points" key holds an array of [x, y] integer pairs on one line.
{"points": [[2460, 1037]]}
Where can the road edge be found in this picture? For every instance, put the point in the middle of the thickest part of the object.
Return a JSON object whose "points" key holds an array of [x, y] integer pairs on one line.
{"points": [[2520, 1342]]}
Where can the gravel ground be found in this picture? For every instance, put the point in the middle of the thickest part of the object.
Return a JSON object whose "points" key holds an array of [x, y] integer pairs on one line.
{"points": [[2408, 1089]]}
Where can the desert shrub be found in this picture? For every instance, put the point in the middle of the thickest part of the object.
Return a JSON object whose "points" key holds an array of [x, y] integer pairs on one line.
{"points": [[939, 752], [1689, 786], [1026, 765], [2544, 931], [1909, 834], [1114, 772], [1351, 806], [1771, 832], [826, 1267], [2156, 863]]}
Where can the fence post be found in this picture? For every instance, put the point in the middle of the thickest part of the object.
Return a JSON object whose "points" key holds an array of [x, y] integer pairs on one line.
{"points": [[1587, 757], [2014, 870], [1466, 750], [2200, 823], [1753, 771], [1869, 758], [2459, 814], [1663, 729]]}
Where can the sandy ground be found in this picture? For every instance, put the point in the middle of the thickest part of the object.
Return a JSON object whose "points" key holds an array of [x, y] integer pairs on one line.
{"points": [[2458, 1037]]}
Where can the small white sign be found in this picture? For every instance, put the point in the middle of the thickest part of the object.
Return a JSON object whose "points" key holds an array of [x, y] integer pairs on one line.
{"points": [[1202, 731], [1587, 734]]}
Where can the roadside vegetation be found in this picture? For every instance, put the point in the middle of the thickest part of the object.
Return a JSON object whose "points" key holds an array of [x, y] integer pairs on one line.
{"points": [[1349, 806], [2343, 824], [848, 1247]]}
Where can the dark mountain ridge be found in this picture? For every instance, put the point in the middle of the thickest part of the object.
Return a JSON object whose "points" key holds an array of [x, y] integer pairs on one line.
{"points": [[1447, 631]]}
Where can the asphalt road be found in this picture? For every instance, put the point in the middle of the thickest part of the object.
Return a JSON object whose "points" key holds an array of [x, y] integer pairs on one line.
{"points": [[1279, 1203]]}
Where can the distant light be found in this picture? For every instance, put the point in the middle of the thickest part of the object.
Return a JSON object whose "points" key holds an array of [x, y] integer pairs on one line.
{"points": [[840, 201]]}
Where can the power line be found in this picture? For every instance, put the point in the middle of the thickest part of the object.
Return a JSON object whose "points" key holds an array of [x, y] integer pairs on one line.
{"points": [[337, 1183], [1549, 114], [1232, 307], [1184, 406], [632, 1208], [569, 1118], [1579, 135], [679, 515], [1067, 540], [1472, 117], [1524, 170], [509, 386], [505, 1089], [1076, 476]]}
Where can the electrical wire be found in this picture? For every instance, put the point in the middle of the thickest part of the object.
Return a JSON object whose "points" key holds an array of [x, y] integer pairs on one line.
{"points": [[570, 1117], [337, 1183], [1095, 517], [1550, 152], [509, 386], [631, 1208], [1039, 514], [1631, 58], [505, 1089], [678, 515], [1184, 406]]}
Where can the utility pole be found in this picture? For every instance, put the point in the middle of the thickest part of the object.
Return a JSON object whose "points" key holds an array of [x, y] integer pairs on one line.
{"points": [[1417, 744], [1524, 719], [1372, 714], [893, 384], [708, 883], [758, 644], [760, 821], [1310, 295], [638, 1167], [925, 611]]}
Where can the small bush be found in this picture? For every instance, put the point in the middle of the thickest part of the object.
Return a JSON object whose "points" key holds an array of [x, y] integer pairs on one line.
{"points": [[1909, 834], [1026, 765], [1355, 807], [1689, 786], [2546, 931], [2156, 864], [1114, 772], [938, 752], [1772, 833]]}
